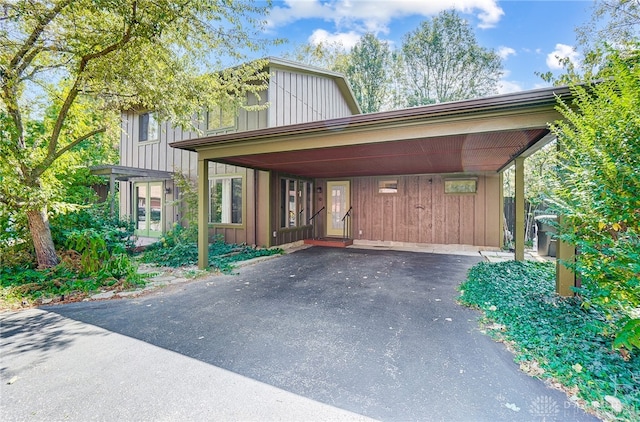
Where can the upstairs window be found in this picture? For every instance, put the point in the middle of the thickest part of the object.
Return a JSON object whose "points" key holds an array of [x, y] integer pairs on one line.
{"points": [[148, 127], [220, 118], [225, 200]]}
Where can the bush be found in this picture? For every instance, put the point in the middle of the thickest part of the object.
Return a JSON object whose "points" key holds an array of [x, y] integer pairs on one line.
{"points": [[95, 255], [118, 234], [597, 191], [569, 342], [179, 248]]}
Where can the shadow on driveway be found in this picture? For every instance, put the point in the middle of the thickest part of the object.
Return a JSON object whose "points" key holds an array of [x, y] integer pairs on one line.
{"points": [[375, 332]]}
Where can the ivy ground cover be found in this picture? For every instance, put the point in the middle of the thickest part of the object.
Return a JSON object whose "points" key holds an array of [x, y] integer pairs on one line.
{"points": [[564, 341]]}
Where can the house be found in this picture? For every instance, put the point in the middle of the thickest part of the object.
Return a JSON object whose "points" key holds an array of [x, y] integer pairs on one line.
{"points": [[295, 93], [311, 166]]}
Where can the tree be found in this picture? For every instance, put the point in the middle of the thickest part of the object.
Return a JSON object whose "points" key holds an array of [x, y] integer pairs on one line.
{"points": [[67, 66], [444, 62], [325, 55], [613, 21], [597, 189], [368, 67]]}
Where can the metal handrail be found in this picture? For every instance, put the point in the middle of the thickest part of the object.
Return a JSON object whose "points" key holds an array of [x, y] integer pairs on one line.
{"points": [[345, 227], [316, 214], [315, 236]]}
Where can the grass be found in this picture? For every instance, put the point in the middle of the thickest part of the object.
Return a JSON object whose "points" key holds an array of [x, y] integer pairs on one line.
{"points": [[557, 337]]}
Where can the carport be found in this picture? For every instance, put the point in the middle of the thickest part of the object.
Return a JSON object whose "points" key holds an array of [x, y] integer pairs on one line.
{"points": [[485, 135]]}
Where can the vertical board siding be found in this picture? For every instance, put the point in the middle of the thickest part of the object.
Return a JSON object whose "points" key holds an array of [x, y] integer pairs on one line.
{"points": [[422, 213], [302, 97]]}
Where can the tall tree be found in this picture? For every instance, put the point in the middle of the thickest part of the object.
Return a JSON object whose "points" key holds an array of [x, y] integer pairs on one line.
{"points": [[368, 67], [444, 62], [613, 21], [325, 55], [81, 60]]}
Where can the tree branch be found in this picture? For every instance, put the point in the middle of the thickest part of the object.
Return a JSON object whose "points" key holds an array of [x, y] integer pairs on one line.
{"points": [[73, 92], [18, 62], [37, 172]]}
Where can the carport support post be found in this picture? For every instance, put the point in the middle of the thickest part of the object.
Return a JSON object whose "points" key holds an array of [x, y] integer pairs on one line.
{"points": [[518, 237], [203, 213], [565, 277]]}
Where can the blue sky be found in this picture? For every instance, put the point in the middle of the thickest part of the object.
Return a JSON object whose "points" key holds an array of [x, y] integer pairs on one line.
{"points": [[528, 34]]}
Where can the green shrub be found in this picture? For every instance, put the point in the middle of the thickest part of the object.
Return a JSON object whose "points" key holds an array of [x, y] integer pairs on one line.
{"points": [[94, 249], [118, 234], [570, 342], [179, 248], [597, 190]]}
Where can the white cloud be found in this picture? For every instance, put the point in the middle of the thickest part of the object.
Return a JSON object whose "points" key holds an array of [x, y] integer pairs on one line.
{"points": [[346, 39], [374, 16], [505, 52], [562, 51], [505, 87]]}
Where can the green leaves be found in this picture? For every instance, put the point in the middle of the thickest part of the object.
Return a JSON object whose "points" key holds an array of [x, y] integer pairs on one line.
{"points": [[68, 68], [629, 335], [368, 72], [563, 339], [444, 62], [597, 185], [179, 248]]}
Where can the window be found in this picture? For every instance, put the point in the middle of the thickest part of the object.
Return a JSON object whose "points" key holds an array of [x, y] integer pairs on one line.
{"points": [[225, 200], [296, 202], [460, 185], [388, 186], [221, 118], [148, 127]]}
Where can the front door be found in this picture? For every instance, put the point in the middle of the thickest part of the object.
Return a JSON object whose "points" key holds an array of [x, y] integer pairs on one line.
{"points": [[338, 205], [148, 209]]}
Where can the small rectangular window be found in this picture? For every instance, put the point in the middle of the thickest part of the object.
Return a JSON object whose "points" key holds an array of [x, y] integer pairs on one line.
{"points": [[460, 185], [219, 118], [225, 200], [148, 127], [388, 186]]}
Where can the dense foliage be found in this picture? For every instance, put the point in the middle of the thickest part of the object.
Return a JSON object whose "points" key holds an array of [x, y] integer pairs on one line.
{"points": [[179, 248], [439, 61], [96, 254], [558, 336], [70, 66], [367, 71], [597, 190], [444, 62]]}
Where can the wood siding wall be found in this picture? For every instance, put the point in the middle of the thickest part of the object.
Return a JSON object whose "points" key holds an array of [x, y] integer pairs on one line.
{"points": [[155, 155], [300, 98], [422, 213], [293, 97]]}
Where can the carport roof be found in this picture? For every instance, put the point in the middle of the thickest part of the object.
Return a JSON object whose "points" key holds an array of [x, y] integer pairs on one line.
{"points": [[470, 136]]}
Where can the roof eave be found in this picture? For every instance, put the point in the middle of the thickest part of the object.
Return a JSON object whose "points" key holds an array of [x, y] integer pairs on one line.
{"points": [[504, 102]]}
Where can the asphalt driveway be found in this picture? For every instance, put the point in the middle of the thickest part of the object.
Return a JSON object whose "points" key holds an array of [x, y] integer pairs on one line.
{"points": [[319, 334]]}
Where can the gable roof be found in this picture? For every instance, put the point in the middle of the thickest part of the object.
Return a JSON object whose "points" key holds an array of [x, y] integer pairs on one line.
{"points": [[339, 78]]}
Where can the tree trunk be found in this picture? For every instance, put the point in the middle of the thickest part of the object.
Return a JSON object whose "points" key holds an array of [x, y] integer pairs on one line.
{"points": [[42, 240]]}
